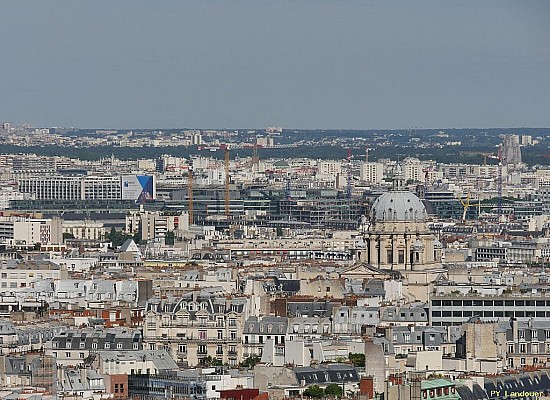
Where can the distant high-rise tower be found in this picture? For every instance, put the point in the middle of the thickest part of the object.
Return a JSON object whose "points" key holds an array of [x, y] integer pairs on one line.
{"points": [[511, 151]]}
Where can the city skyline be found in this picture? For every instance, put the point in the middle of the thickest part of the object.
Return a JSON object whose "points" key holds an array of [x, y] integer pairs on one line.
{"points": [[351, 65]]}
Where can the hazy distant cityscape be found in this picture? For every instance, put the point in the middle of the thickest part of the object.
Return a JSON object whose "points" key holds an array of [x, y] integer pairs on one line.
{"points": [[275, 200], [274, 263]]}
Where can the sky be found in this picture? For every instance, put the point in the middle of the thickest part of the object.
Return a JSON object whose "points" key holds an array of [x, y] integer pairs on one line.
{"points": [[314, 64]]}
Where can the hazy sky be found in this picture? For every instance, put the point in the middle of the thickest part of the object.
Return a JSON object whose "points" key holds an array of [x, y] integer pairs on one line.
{"points": [[296, 64]]}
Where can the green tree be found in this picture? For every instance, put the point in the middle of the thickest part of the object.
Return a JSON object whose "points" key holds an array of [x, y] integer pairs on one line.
{"points": [[209, 361], [250, 362], [67, 235], [357, 359], [333, 390], [117, 238], [137, 236], [170, 238], [314, 391]]}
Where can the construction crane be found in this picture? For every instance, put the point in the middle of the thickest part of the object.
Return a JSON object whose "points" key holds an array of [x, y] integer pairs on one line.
{"points": [[499, 181], [227, 181], [426, 171], [348, 186], [466, 205], [190, 195], [480, 153]]}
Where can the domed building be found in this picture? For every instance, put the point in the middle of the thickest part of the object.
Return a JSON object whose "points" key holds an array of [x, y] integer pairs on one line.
{"points": [[397, 237]]}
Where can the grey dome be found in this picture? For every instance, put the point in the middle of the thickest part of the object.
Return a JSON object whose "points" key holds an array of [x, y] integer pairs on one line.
{"points": [[398, 206]]}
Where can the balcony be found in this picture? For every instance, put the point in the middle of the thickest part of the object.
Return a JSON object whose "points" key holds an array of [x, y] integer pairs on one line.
{"points": [[188, 324]]}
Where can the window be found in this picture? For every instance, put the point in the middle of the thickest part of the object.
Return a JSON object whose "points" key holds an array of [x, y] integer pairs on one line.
{"points": [[68, 354], [401, 257], [119, 345], [522, 334], [232, 322], [107, 345], [202, 335], [94, 345], [233, 335], [202, 349], [182, 348], [220, 335]]}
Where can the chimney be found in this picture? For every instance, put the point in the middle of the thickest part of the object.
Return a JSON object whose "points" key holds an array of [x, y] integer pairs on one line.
{"points": [[514, 324]]}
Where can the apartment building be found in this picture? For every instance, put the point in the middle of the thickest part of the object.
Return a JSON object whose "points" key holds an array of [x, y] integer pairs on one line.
{"points": [[72, 347], [196, 327], [72, 187], [21, 275], [371, 172], [29, 231], [455, 309]]}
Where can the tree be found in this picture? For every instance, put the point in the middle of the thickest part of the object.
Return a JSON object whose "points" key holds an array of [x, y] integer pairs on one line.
{"points": [[137, 236], [250, 362], [357, 359], [334, 390], [209, 361], [170, 238], [67, 235], [314, 391], [117, 238]]}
